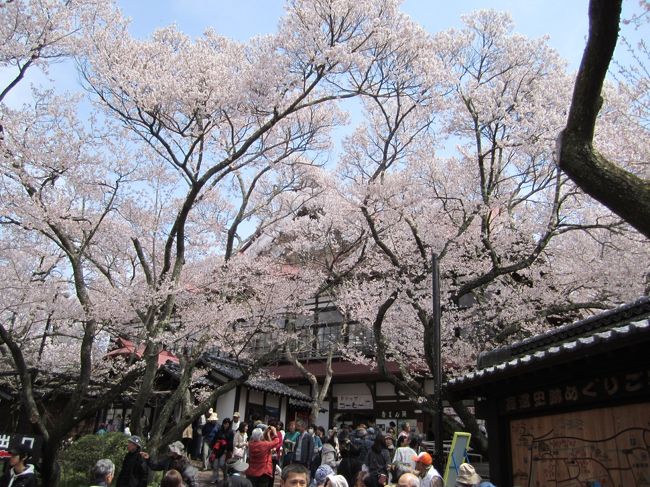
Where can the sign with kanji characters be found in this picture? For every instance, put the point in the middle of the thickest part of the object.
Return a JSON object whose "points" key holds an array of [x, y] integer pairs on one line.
{"points": [[355, 402], [10, 440], [613, 386], [397, 414]]}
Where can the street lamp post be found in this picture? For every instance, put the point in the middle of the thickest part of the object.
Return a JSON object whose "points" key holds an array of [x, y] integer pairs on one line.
{"points": [[437, 371]]}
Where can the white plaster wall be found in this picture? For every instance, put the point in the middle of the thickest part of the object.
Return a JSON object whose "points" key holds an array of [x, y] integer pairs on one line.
{"points": [[283, 410], [385, 389], [226, 404], [324, 417], [273, 400], [256, 397], [242, 404]]}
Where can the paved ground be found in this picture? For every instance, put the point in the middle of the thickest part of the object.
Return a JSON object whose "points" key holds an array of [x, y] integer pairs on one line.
{"points": [[204, 478]]}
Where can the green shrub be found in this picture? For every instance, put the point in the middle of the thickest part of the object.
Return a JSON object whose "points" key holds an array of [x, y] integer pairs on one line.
{"points": [[80, 457]]}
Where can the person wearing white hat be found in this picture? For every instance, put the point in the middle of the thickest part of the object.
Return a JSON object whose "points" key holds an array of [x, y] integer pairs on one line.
{"points": [[235, 421], [209, 432], [467, 476], [235, 468]]}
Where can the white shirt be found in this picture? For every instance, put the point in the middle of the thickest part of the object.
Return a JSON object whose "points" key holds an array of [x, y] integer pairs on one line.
{"points": [[427, 480], [404, 456]]}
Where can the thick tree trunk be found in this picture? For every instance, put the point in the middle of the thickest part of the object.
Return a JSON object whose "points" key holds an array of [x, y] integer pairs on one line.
{"points": [[146, 388], [161, 423], [624, 193], [318, 392], [50, 470]]}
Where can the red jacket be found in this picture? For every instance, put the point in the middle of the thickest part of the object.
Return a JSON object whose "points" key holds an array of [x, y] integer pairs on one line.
{"points": [[259, 457]]}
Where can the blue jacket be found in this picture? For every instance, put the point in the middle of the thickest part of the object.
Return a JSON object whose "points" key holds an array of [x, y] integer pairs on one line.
{"points": [[210, 431]]}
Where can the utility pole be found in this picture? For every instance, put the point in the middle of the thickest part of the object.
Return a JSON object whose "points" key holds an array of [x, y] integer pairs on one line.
{"points": [[437, 371]]}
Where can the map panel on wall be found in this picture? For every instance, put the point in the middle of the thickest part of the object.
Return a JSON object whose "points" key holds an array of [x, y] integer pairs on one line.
{"points": [[608, 447]]}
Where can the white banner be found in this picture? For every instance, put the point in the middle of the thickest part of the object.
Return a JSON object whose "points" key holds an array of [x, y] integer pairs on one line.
{"points": [[355, 402]]}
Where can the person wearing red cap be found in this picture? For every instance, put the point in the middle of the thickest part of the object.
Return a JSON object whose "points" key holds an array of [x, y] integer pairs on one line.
{"points": [[426, 470], [19, 473]]}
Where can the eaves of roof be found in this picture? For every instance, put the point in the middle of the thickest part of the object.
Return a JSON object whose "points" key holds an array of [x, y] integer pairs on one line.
{"points": [[603, 333], [342, 371], [229, 369], [275, 387]]}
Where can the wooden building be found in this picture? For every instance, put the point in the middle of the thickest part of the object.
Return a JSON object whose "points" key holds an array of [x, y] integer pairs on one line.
{"points": [[358, 393], [570, 407], [257, 398]]}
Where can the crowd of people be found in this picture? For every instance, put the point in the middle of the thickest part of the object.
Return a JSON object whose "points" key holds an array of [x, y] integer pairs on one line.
{"points": [[303, 456], [338, 457]]}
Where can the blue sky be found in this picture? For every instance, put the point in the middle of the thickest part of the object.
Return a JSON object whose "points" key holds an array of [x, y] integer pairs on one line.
{"points": [[564, 20]]}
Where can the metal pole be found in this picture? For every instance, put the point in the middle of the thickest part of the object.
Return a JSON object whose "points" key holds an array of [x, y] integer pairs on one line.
{"points": [[437, 371]]}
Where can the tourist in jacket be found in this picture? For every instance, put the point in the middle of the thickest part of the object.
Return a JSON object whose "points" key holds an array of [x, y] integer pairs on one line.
{"points": [[304, 451], [20, 473], [260, 462], [134, 471]]}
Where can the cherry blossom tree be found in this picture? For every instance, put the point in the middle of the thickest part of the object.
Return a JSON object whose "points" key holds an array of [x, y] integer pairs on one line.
{"points": [[507, 225], [56, 194], [148, 219], [234, 143], [189, 207]]}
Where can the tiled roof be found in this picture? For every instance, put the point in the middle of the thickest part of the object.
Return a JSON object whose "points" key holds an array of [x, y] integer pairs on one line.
{"points": [[607, 331], [231, 369], [276, 387]]}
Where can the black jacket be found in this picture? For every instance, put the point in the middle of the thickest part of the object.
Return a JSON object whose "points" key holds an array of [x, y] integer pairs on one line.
{"points": [[24, 479], [350, 468], [378, 462], [225, 437], [134, 472]]}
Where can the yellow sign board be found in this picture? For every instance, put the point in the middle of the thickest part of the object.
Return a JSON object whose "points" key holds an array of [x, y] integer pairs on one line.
{"points": [[457, 456]]}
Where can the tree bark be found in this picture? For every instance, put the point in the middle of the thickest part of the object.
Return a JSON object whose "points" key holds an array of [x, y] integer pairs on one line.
{"points": [[624, 193], [144, 392], [50, 470], [318, 392]]}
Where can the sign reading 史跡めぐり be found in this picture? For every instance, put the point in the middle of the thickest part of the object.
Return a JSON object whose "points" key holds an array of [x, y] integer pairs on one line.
{"points": [[594, 389]]}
